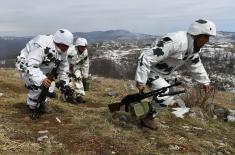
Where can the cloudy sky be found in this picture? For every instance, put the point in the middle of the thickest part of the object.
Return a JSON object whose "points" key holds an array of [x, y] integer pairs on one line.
{"points": [[32, 17]]}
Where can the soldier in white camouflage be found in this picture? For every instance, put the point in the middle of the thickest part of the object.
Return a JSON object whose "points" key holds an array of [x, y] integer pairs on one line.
{"points": [[78, 68], [37, 60], [169, 53]]}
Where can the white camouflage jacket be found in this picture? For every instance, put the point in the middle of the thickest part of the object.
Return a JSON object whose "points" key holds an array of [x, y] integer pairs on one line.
{"points": [[172, 51], [79, 63], [41, 56]]}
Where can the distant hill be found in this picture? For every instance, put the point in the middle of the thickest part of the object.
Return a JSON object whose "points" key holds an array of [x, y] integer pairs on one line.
{"points": [[110, 35], [11, 46]]}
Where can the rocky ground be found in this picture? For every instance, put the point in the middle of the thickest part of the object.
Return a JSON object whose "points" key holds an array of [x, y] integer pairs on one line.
{"points": [[91, 129]]}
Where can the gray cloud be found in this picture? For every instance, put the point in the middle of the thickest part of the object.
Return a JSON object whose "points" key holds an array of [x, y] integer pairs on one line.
{"points": [[32, 17]]}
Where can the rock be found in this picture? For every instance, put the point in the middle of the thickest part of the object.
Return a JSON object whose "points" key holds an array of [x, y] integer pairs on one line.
{"points": [[220, 112], [186, 127], [43, 131], [231, 112], [193, 114], [1, 94], [35, 146], [174, 147], [112, 93], [123, 118], [130, 86], [210, 109], [108, 89], [60, 145], [215, 117], [182, 139], [219, 153], [222, 144], [113, 152], [164, 126], [197, 128], [231, 118], [93, 77], [58, 120], [180, 102], [40, 139]]}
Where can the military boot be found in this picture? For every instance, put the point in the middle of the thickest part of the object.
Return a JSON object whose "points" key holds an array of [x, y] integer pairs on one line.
{"points": [[149, 123], [80, 99]]}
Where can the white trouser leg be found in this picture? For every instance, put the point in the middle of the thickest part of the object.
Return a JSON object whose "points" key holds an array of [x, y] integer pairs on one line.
{"points": [[33, 94], [32, 98], [52, 87], [77, 84], [158, 103], [79, 89]]}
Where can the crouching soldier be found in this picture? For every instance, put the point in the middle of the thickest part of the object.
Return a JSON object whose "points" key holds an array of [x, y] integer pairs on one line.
{"points": [[172, 51], [43, 58], [78, 68]]}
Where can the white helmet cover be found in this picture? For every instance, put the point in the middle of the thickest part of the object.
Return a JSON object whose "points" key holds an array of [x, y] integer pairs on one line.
{"points": [[202, 26], [81, 42], [63, 36]]}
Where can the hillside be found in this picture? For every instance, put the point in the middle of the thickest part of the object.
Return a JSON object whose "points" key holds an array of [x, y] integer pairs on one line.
{"points": [[11, 46], [91, 129]]}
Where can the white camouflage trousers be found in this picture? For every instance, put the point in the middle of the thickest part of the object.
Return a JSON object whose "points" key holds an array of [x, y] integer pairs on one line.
{"points": [[34, 92], [77, 85], [158, 103]]}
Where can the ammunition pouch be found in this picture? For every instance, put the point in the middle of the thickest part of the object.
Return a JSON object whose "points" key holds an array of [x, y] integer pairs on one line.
{"points": [[139, 109]]}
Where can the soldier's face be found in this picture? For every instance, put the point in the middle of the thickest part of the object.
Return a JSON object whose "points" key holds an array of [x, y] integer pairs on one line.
{"points": [[201, 40], [81, 49], [62, 47]]}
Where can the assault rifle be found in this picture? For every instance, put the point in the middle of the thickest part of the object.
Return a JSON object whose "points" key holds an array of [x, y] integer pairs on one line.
{"points": [[66, 90], [43, 95], [127, 100], [85, 81]]}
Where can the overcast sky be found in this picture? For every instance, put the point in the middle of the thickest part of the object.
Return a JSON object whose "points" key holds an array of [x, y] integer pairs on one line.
{"points": [[32, 17]]}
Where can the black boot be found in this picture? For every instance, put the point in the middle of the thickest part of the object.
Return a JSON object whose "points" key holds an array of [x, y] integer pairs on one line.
{"points": [[51, 95], [80, 99], [35, 113]]}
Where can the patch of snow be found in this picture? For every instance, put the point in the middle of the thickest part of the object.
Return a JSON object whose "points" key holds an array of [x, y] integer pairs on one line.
{"points": [[179, 112]]}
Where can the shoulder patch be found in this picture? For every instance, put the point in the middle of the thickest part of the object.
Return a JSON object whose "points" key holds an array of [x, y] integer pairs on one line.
{"points": [[70, 56], [164, 67], [195, 60], [160, 43], [141, 61], [46, 50], [158, 52], [85, 58]]}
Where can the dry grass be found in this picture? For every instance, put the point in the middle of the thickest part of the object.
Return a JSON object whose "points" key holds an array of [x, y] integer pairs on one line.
{"points": [[90, 128]]}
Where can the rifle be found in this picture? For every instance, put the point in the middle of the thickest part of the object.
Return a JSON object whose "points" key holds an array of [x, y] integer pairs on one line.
{"points": [[43, 95], [85, 81], [66, 90], [127, 100]]}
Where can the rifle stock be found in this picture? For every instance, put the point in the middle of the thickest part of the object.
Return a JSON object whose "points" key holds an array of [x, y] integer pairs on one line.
{"points": [[115, 106]]}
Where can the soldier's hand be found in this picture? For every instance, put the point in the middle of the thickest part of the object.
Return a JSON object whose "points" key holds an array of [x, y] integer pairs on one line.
{"points": [[46, 82], [140, 87], [207, 88]]}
